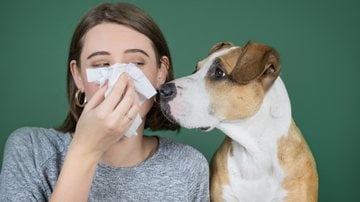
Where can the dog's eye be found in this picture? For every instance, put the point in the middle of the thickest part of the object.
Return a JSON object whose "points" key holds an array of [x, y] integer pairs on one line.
{"points": [[219, 73], [216, 72]]}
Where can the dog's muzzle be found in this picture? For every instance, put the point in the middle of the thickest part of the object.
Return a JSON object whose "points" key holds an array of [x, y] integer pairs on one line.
{"points": [[167, 92]]}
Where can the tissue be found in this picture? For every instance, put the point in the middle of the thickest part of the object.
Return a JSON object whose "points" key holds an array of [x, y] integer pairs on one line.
{"points": [[111, 74]]}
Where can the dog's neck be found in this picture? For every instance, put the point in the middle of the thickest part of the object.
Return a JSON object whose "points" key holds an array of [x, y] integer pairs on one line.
{"points": [[255, 139]]}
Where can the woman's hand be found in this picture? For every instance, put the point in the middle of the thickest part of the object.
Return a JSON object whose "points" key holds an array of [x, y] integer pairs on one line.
{"points": [[104, 121]]}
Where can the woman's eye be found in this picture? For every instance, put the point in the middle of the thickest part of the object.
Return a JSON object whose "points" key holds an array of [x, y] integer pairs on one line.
{"points": [[139, 64], [101, 64]]}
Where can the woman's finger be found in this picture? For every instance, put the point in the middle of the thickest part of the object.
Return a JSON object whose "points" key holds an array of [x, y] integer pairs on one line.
{"points": [[125, 104], [132, 113], [116, 94], [134, 109], [96, 99]]}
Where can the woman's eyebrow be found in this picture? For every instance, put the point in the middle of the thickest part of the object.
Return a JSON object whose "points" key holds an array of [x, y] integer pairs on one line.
{"points": [[98, 53], [135, 50]]}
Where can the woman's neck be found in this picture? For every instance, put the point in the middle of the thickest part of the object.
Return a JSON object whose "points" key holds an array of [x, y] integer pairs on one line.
{"points": [[129, 152]]}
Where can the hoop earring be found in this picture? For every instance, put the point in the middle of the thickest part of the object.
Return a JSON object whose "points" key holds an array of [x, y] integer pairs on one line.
{"points": [[78, 96], [156, 99]]}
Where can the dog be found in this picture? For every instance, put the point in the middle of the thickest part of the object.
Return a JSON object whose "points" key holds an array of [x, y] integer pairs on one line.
{"points": [[238, 90]]}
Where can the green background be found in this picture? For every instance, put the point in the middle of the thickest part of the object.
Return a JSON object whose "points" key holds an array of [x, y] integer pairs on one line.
{"points": [[318, 42]]}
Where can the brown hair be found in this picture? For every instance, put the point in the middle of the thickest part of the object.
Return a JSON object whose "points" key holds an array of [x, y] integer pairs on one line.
{"points": [[130, 16]]}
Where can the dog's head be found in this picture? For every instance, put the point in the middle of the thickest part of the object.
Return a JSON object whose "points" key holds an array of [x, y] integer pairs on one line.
{"points": [[229, 84]]}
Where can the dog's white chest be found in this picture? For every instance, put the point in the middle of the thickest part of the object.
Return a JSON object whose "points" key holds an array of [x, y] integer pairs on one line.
{"points": [[248, 182]]}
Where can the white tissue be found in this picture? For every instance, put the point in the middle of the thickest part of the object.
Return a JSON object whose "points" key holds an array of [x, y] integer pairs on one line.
{"points": [[111, 74]]}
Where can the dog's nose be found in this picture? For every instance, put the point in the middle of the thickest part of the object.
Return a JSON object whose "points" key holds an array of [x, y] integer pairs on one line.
{"points": [[167, 91]]}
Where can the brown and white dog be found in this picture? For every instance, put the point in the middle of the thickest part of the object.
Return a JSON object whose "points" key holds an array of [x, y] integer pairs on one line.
{"points": [[264, 156]]}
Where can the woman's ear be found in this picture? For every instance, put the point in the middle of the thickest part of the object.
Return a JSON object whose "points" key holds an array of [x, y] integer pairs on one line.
{"points": [[162, 71], [75, 72]]}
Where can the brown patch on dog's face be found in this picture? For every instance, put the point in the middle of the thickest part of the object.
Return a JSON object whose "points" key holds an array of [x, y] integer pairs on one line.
{"points": [[220, 46], [238, 80], [215, 48], [232, 102]]}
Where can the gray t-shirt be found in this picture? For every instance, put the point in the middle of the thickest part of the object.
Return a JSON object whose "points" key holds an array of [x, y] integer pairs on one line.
{"points": [[33, 158]]}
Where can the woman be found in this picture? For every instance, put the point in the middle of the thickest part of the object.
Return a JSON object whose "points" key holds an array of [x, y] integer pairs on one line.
{"points": [[88, 158]]}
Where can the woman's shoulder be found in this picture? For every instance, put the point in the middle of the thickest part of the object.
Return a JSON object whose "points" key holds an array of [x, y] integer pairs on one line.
{"points": [[36, 141], [38, 135]]}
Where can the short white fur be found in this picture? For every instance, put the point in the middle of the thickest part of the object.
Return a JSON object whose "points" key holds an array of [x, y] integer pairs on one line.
{"points": [[254, 161]]}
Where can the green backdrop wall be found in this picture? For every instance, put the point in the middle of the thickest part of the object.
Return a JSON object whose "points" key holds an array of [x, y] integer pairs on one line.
{"points": [[318, 42]]}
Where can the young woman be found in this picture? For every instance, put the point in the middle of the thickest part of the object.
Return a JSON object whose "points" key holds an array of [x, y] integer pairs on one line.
{"points": [[88, 158]]}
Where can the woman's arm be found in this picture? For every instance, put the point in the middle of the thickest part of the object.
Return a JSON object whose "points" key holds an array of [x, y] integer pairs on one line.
{"points": [[102, 123], [76, 175]]}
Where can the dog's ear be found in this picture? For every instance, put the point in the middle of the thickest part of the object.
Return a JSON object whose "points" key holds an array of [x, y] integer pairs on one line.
{"points": [[220, 45], [256, 61]]}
